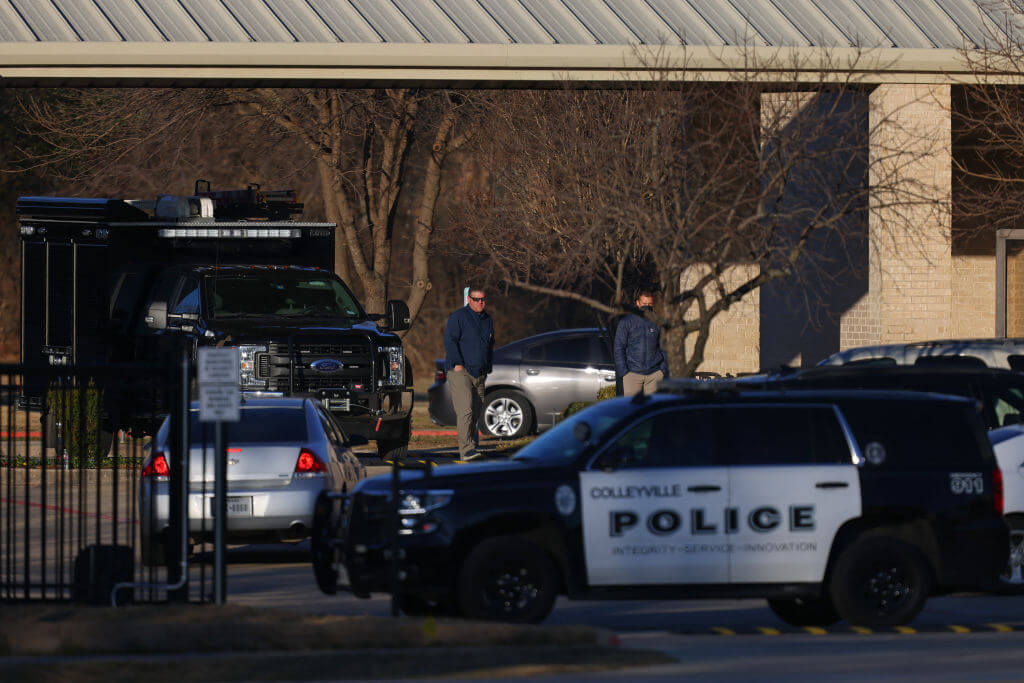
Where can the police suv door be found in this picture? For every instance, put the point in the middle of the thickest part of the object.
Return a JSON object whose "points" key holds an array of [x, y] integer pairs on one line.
{"points": [[652, 501], [792, 485]]}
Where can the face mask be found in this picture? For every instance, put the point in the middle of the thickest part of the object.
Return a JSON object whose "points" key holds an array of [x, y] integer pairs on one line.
{"points": [[647, 309]]}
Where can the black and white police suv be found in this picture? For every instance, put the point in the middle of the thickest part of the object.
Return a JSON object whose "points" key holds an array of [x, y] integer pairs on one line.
{"points": [[830, 504]]}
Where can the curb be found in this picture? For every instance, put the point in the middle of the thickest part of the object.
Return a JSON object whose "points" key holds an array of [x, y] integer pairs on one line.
{"points": [[844, 629]]}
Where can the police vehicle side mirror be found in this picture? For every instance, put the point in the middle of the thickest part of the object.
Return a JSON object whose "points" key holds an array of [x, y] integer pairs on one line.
{"points": [[356, 440], [581, 430], [397, 315], [156, 315]]}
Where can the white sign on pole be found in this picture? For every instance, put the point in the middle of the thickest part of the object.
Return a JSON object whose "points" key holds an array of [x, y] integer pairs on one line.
{"points": [[218, 365], [219, 398], [219, 403]]}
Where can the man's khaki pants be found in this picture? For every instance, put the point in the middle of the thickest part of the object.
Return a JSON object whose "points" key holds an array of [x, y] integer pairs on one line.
{"points": [[635, 383], [468, 399]]}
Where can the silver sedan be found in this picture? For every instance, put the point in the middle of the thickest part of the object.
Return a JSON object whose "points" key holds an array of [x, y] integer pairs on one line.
{"points": [[533, 380], [281, 455]]}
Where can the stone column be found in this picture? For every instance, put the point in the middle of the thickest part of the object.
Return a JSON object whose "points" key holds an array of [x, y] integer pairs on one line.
{"points": [[911, 270]]}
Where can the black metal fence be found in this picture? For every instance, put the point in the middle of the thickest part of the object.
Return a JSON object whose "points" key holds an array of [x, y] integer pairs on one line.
{"points": [[74, 445]]}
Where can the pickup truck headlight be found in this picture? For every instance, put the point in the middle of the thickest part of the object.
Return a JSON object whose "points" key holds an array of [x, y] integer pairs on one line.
{"points": [[413, 507], [247, 366], [394, 365]]}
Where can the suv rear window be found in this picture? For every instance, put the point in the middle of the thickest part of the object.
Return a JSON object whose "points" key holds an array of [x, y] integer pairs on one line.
{"points": [[916, 436]]}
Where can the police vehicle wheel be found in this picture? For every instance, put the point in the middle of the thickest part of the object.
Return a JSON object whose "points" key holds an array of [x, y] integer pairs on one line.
{"points": [[805, 612], [880, 581], [506, 414], [507, 578], [1011, 581]]}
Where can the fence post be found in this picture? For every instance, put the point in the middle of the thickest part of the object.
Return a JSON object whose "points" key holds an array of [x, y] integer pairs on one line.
{"points": [[178, 511]]}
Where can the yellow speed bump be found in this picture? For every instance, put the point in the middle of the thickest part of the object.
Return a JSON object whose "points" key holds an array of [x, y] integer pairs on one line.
{"points": [[864, 631], [768, 631], [956, 628], [1002, 628], [722, 631], [815, 630], [903, 629]]}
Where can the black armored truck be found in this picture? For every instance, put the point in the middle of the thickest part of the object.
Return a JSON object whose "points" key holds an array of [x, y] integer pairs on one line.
{"points": [[111, 280]]}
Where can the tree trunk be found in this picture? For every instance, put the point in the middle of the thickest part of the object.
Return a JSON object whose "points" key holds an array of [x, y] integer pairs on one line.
{"points": [[333, 214]]}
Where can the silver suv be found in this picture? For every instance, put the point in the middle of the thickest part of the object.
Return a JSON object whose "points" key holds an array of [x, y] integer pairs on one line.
{"points": [[1007, 353], [533, 381]]}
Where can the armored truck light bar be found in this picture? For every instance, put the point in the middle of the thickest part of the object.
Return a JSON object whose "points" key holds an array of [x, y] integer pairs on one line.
{"points": [[217, 233]]}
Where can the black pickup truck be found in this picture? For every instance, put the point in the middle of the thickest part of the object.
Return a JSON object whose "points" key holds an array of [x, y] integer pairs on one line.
{"points": [[110, 280]]}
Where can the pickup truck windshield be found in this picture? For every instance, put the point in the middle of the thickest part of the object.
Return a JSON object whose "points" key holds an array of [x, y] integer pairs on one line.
{"points": [[279, 292]]}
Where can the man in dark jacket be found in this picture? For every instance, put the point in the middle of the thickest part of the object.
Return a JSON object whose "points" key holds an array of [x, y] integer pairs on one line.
{"points": [[639, 360], [469, 352]]}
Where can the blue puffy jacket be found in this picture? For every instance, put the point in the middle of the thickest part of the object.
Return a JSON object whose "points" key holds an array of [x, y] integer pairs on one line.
{"points": [[469, 341], [638, 347]]}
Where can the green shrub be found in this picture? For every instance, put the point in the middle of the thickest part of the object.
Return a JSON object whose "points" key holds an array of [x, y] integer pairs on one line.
{"points": [[604, 394], [573, 408], [78, 411]]}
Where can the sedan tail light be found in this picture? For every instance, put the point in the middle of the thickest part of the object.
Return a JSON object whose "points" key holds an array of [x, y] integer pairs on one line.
{"points": [[997, 490], [156, 467], [309, 464]]}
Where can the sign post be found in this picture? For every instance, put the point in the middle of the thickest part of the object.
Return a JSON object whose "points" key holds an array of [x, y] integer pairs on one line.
{"points": [[220, 403]]}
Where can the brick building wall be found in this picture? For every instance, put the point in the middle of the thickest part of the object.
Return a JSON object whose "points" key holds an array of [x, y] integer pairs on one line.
{"points": [[911, 246], [733, 344], [920, 283]]}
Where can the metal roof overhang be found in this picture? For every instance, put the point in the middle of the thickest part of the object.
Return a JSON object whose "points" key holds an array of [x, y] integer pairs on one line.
{"points": [[475, 65]]}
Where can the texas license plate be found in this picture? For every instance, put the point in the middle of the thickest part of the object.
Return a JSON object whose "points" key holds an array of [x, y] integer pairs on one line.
{"points": [[238, 506]]}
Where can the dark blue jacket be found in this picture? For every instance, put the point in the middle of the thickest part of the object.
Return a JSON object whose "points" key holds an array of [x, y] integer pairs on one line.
{"points": [[638, 347], [469, 341]]}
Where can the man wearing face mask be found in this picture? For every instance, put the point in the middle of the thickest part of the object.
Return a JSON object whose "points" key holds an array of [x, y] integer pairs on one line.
{"points": [[639, 360]]}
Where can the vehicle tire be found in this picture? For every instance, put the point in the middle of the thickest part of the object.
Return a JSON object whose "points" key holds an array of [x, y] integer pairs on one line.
{"points": [[153, 550], [392, 450], [880, 581], [322, 542], [418, 606], [1011, 581], [506, 414], [510, 579], [805, 612]]}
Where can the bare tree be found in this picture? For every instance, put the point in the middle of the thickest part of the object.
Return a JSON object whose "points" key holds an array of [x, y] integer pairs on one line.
{"points": [[708, 191], [363, 145], [989, 125]]}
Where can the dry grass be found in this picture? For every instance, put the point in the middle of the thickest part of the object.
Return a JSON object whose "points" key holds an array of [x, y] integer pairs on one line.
{"points": [[188, 642], [478, 663], [57, 630]]}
